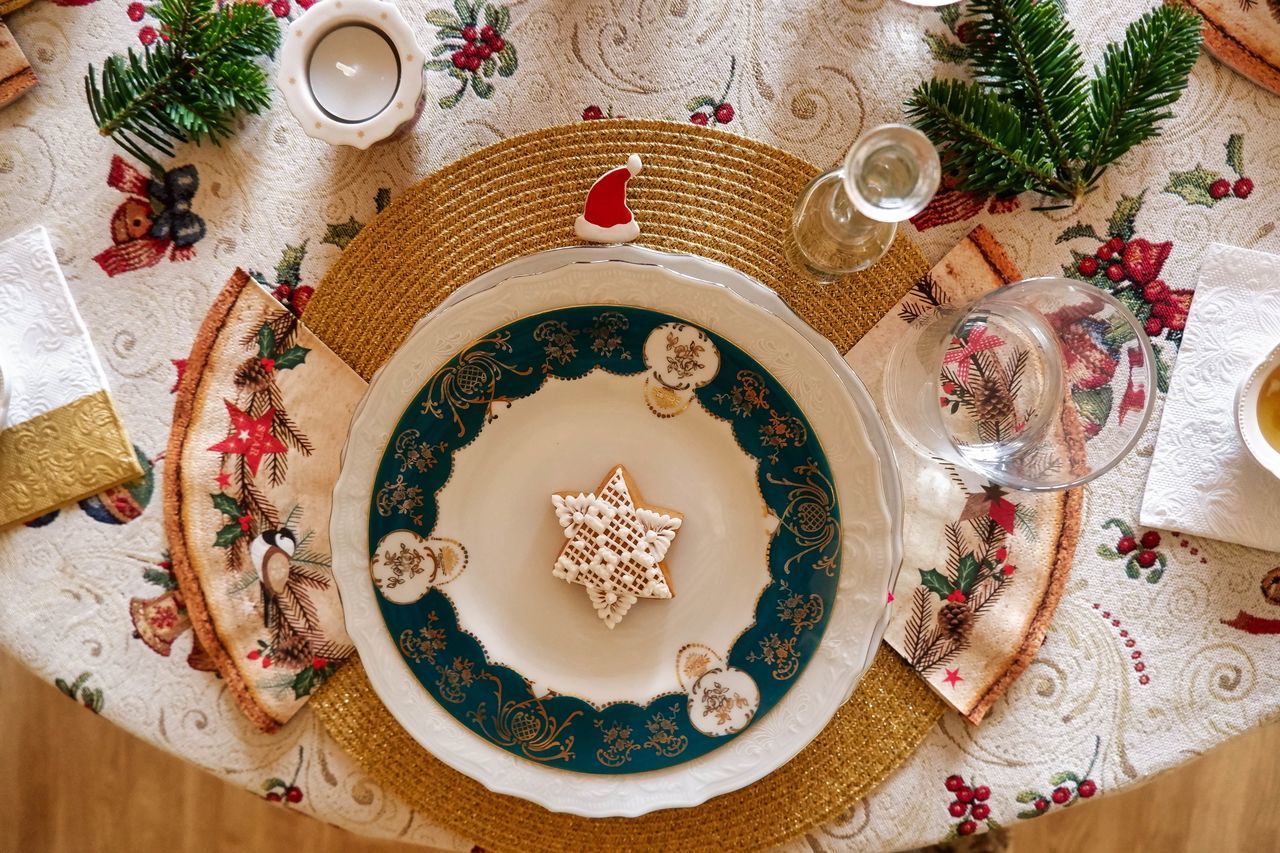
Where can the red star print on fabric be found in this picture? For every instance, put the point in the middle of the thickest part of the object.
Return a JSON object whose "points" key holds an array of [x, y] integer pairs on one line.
{"points": [[250, 437], [990, 502], [952, 677], [890, 597], [979, 339], [180, 364], [223, 479]]}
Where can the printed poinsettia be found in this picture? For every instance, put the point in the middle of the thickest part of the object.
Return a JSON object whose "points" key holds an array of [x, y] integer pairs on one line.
{"points": [[1130, 267], [1206, 187]]}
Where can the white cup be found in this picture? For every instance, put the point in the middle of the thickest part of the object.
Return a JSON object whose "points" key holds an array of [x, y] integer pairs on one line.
{"points": [[1247, 421]]}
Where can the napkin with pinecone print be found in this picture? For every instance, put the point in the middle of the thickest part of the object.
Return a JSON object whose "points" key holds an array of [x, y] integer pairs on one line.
{"points": [[983, 568], [259, 424]]}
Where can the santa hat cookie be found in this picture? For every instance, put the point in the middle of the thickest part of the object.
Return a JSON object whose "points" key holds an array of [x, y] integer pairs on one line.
{"points": [[605, 216]]}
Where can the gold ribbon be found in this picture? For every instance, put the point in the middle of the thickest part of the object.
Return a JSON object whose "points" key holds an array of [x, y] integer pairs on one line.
{"points": [[701, 192]]}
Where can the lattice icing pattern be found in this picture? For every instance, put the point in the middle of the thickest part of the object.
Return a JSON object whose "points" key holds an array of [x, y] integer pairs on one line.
{"points": [[615, 546]]}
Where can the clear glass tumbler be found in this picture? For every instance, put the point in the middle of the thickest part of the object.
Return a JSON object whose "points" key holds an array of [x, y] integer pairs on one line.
{"points": [[1041, 385], [845, 219]]}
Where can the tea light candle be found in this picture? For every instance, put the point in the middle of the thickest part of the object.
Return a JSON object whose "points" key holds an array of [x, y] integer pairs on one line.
{"points": [[351, 71], [354, 73]]}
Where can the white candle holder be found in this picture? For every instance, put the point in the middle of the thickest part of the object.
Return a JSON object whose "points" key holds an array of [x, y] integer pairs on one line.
{"points": [[369, 106]]}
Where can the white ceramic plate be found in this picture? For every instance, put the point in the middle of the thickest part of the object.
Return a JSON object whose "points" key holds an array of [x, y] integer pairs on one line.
{"points": [[864, 483]]}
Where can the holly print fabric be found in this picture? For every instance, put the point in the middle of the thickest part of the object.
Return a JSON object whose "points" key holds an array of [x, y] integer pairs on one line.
{"points": [[805, 76]]}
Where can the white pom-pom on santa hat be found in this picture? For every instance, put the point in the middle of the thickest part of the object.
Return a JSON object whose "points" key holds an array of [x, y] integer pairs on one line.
{"points": [[605, 217]]}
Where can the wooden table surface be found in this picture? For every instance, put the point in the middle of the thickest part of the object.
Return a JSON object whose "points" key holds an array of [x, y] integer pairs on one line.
{"points": [[62, 789]]}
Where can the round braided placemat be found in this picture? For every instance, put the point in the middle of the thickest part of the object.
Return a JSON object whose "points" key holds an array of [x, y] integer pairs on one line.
{"points": [[702, 192]]}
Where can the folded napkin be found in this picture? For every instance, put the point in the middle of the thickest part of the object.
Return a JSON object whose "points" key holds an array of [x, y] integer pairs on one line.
{"points": [[983, 568], [61, 438], [258, 428], [1203, 481]]}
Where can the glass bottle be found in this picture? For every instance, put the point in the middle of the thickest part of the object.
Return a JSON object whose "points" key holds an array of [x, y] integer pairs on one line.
{"points": [[845, 219]]}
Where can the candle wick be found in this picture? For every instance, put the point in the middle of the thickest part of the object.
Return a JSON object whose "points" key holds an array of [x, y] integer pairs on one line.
{"points": [[348, 70]]}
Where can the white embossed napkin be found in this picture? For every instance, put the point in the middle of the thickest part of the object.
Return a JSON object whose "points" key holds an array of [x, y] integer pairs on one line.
{"points": [[1203, 481], [61, 438]]}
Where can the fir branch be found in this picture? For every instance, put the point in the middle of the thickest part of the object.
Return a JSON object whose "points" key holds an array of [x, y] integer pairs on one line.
{"points": [[1138, 81], [1030, 120], [1024, 49], [980, 138], [187, 87]]}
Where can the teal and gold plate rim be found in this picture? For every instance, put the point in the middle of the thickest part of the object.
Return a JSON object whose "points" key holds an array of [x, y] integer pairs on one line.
{"points": [[724, 691]]}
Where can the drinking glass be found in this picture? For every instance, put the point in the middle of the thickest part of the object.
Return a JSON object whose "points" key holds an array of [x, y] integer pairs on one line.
{"points": [[845, 219], [1041, 385]]}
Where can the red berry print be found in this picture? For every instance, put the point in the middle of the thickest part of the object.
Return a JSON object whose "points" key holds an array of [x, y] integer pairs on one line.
{"points": [[458, 60], [1002, 554], [498, 43], [469, 33], [1153, 326], [266, 663], [1115, 272], [1242, 188], [1116, 244], [1087, 788], [487, 33], [272, 796], [1041, 804], [136, 11], [1147, 559], [319, 663], [1220, 188], [981, 793], [254, 655], [968, 827], [280, 8], [1126, 544], [724, 113], [699, 119], [1009, 570], [147, 35], [958, 809], [293, 794], [957, 596], [245, 522], [1088, 267], [592, 113], [1151, 539], [474, 63], [954, 783], [1105, 252], [1060, 795], [964, 795], [304, 5], [268, 364], [981, 811], [484, 51]]}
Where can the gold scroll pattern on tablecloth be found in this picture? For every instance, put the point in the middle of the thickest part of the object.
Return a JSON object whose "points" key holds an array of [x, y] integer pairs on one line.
{"points": [[63, 455], [702, 192]]}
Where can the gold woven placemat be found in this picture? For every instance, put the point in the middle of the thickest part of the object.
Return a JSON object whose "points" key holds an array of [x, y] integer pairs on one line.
{"points": [[703, 192]]}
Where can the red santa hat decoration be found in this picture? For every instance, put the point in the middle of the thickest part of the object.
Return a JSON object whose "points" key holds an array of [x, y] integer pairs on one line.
{"points": [[605, 216]]}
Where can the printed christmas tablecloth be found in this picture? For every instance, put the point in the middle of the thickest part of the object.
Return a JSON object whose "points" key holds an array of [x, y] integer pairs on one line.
{"points": [[1139, 670]]}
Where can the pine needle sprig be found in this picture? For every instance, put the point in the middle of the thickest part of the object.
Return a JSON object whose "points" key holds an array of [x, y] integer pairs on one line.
{"points": [[1030, 120], [1141, 78], [188, 87]]}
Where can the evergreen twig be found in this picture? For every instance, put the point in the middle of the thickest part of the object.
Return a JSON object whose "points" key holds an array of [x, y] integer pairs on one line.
{"points": [[1030, 120], [187, 86]]}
